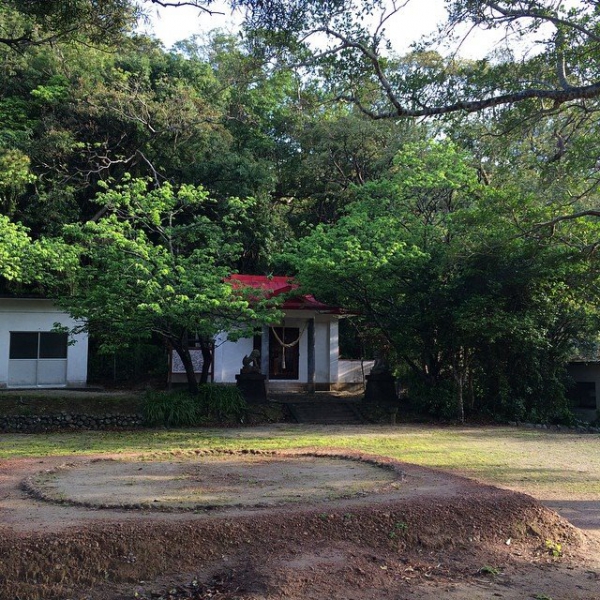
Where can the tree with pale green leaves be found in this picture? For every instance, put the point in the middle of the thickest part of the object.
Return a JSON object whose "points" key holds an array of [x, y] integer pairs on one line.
{"points": [[47, 264], [156, 262]]}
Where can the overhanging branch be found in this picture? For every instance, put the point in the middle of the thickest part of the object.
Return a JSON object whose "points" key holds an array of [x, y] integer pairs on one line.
{"points": [[202, 6], [594, 212], [558, 96]]}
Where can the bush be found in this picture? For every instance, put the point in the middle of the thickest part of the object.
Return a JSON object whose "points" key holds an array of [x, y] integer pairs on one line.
{"points": [[222, 403], [439, 401], [172, 409], [214, 404]]}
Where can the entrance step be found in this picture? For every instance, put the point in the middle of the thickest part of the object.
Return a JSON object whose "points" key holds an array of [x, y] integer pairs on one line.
{"points": [[325, 413], [278, 388]]}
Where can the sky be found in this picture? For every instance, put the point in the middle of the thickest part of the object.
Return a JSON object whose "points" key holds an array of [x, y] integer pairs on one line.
{"points": [[418, 18], [172, 24]]}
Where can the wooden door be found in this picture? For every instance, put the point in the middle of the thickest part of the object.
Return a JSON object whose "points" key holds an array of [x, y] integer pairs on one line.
{"points": [[278, 368]]}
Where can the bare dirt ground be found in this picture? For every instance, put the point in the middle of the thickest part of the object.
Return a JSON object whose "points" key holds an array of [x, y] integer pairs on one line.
{"points": [[327, 525]]}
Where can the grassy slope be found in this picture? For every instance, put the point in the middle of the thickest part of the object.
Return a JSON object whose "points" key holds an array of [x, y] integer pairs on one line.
{"points": [[549, 465], [48, 402]]}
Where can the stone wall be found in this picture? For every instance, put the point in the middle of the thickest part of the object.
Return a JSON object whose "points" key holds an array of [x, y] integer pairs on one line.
{"points": [[68, 422]]}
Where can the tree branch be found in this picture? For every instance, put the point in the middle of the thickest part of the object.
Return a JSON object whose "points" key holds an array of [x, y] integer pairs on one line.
{"points": [[374, 59], [533, 14], [584, 213], [193, 3], [558, 96]]}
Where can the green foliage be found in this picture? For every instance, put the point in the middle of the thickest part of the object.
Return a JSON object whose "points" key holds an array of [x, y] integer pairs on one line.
{"points": [[222, 403], [468, 268], [126, 365], [489, 570], [480, 316], [172, 409], [437, 399], [213, 404], [399, 528], [554, 548], [14, 176], [24, 260], [341, 43], [33, 23], [14, 241], [156, 264]]}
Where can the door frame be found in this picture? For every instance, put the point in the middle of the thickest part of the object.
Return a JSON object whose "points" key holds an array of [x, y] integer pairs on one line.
{"points": [[292, 355]]}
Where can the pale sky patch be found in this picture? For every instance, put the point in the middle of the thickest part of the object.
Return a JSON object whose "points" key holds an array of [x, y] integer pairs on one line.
{"points": [[417, 19]]}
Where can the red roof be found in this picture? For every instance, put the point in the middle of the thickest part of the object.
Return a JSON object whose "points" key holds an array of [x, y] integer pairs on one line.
{"points": [[275, 285]]}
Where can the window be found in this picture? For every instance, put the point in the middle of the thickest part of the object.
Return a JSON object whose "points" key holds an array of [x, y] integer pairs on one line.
{"points": [[53, 345], [23, 345], [584, 394], [34, 345]]}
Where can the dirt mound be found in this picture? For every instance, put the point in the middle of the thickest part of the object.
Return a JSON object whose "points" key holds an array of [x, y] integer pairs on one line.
{"points": [[434, 528]]}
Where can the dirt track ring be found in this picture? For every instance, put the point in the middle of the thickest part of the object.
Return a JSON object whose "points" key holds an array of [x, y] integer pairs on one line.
{"points": [[213, 481]]}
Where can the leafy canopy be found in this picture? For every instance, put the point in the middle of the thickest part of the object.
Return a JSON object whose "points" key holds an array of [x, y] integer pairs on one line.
{"points": [[155, 263], [462, 297]]}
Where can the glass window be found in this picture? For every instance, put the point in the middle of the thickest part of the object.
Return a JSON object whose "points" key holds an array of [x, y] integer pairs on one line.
{"points": [[584, 394], [23, 345], [53, 345], [33, 345]]}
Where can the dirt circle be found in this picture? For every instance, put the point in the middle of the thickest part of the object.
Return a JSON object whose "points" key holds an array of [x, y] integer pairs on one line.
{"points": [[211, 482]]}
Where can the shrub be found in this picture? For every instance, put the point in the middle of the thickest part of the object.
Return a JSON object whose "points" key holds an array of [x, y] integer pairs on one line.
{"points": [[214, 403], [222, 403], [172, 409]]}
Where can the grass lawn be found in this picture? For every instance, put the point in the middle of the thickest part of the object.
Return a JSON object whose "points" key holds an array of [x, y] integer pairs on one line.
{"points": [[546, 464]]}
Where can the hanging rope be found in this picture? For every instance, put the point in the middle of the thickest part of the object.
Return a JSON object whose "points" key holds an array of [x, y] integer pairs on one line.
{"points": [[285, 345]]}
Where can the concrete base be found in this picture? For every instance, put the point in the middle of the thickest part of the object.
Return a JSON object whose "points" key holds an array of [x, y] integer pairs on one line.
{"points": [[253, 387], [381, 388]]}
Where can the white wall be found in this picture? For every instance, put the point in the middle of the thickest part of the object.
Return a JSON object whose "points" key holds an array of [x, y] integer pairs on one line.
{"points": [[334, 350], [322, 354], [228, 355], [354, 371], [33, 315]]}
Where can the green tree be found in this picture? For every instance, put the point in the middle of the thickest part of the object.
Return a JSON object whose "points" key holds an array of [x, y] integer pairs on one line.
{"points": [[33, 264], [15, 174], [351, 43], [26, 23], [14, 241], [482, 316], [155, 263]]}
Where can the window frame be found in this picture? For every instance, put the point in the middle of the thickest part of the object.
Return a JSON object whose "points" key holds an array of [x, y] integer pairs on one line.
{"points": [[41, 349]]}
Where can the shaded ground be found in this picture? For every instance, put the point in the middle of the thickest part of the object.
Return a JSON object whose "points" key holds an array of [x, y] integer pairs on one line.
{"points": [[385, 530]]}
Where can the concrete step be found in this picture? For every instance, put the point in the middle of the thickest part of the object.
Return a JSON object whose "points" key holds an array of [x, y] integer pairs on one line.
{"points": [[325, 413]]}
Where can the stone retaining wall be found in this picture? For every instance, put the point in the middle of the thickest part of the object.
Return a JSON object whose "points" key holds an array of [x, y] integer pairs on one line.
{"points": [[68, 422]]}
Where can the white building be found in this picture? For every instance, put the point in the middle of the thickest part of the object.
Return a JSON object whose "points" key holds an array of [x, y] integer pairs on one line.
{"points": [[300, 352], [32, 353]]}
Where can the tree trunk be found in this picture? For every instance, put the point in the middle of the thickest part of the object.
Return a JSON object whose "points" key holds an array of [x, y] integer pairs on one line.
{"points": [[207, 358], [460, 370], [471, 391], [461, 403], [186, 359]]}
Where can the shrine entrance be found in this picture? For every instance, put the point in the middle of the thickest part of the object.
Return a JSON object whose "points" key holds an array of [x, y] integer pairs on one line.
{"points": [[284, 353]]}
